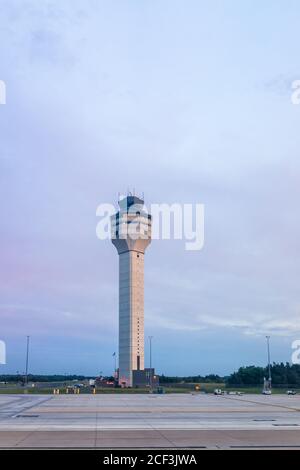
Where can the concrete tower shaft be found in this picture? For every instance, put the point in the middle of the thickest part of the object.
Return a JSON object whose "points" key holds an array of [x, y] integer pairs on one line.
{"points": [[131, 234]]}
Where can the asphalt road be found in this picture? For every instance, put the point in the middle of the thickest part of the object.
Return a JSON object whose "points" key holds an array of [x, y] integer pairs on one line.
{"points": [[150, 421]]}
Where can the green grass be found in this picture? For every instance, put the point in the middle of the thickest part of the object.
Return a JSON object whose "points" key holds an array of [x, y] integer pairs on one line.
{"points": [[84, 391], [203, 387], [31, 391]]}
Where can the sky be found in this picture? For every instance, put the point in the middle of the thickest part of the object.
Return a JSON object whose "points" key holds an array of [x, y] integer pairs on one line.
{"points": [[188, 102]]}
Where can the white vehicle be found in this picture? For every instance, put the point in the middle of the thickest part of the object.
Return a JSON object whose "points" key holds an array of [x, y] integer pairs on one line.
{"points": [[291, 392], [218, 391], [266, 392]]}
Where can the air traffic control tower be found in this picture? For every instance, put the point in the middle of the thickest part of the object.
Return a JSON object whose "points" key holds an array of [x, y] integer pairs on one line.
{"points": [[131, 235]]}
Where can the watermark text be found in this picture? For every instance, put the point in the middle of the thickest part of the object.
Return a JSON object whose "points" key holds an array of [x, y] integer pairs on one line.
{"points": [[2, 92], [2, 352], [296, 353], [295, 98], [163, 222]]}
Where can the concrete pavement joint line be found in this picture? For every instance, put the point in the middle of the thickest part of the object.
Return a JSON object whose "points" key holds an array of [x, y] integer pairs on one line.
{"points": [[227, 441], [228, 411], [169, 409], [12, 402], [146, 427], [280, 446], [31, 400], [185, 421], [260, 403], [27, 408], [161, 434], [287, 447], [97, 430]]}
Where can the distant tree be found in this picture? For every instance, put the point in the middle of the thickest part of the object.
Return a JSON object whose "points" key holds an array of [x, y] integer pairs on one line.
{"points": [[212, 378], [282, 374], [247, 376]]}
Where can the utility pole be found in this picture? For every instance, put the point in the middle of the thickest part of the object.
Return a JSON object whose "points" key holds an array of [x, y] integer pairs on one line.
{"points": [[150, 371], [115, 358], [27, 361], [269, 362]]}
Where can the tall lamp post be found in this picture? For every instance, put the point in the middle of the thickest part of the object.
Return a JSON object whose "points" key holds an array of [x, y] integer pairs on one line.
{"points": [[269, 362], [115, 364], [27, 361], [150, 369]]}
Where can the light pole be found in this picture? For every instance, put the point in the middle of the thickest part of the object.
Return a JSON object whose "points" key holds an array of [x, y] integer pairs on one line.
{"points": [[269, 362], [27, 360], [115, 358], [150, 369]]}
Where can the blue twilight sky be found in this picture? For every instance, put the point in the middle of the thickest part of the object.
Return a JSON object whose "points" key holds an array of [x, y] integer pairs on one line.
{"points": [[188, 101]]}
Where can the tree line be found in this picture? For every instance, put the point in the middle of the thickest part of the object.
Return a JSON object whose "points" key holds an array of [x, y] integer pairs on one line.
{"points": [[282, 374], [11, 378]]}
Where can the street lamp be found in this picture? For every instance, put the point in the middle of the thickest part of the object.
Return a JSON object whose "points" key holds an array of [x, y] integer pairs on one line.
{"points": [[269, 362], [115, 358], [150, 369], [27, 360]]}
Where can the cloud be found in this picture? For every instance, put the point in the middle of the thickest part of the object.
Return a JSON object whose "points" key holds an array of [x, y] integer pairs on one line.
{"points": [[281, 84], [17, 320], [102, 98], [257, 325]]}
